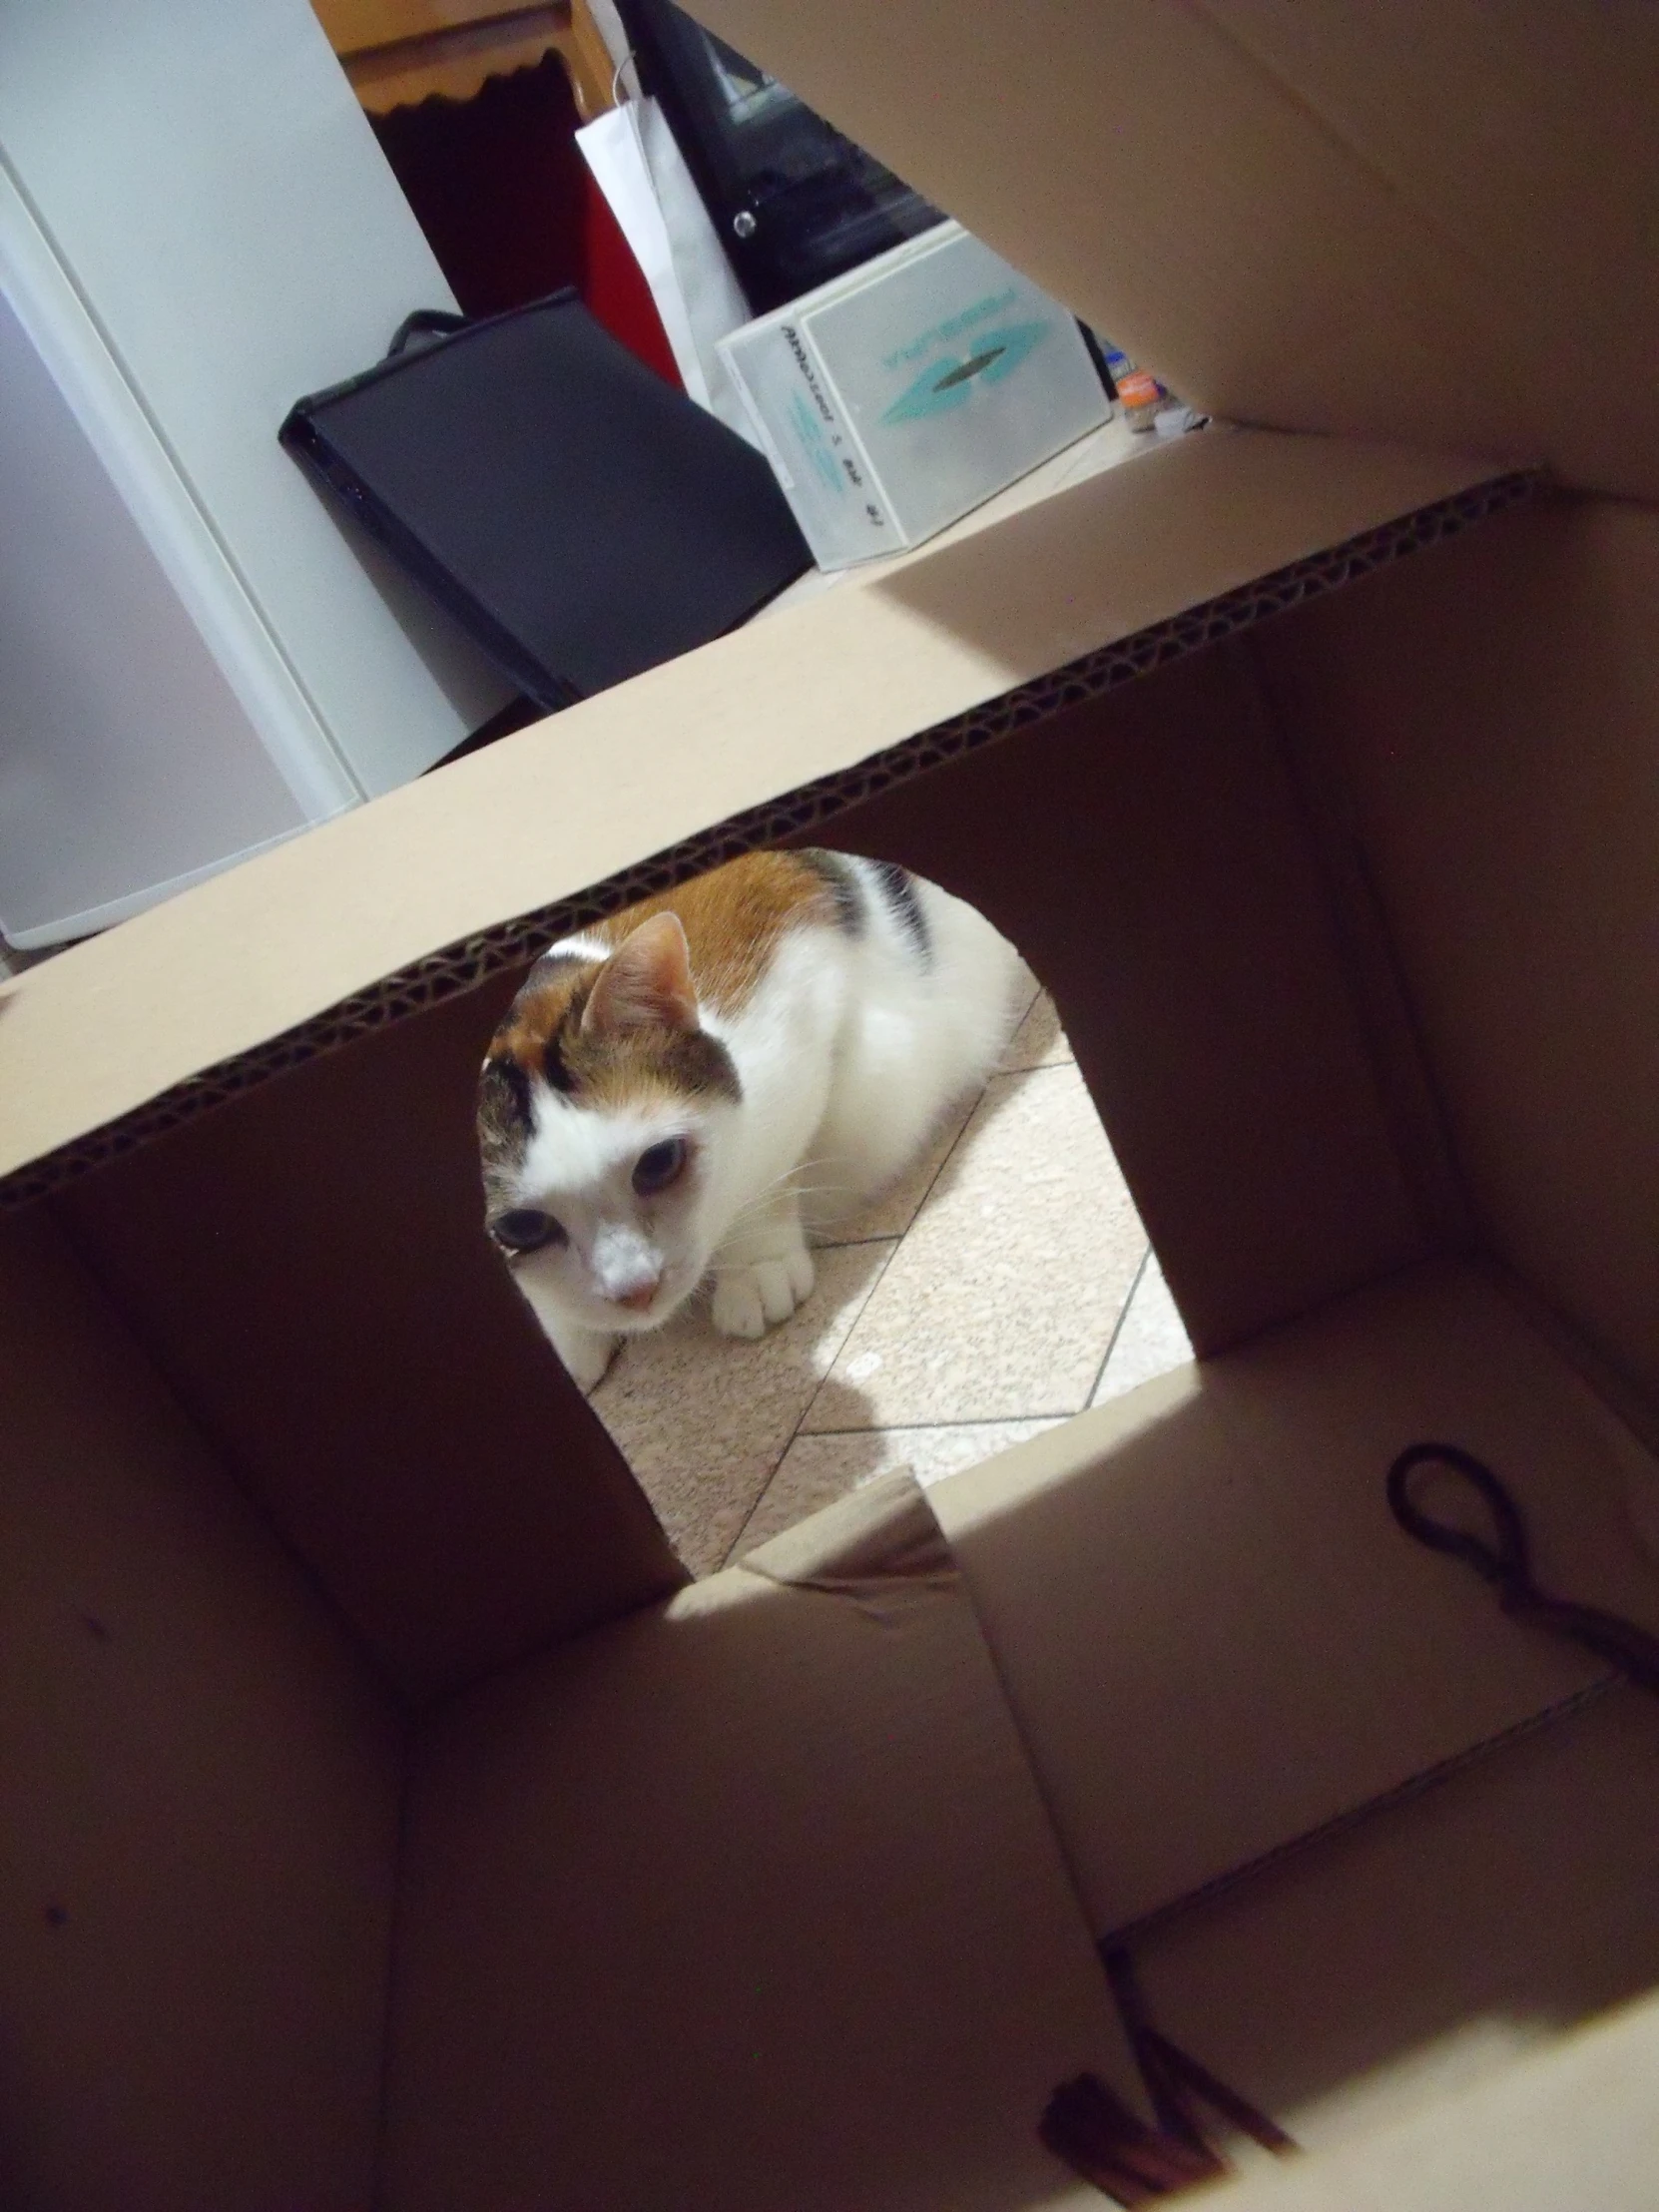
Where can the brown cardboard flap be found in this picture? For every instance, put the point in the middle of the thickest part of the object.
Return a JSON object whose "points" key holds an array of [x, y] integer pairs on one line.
{"points": [[1214, 1636], [199, 1790], [873, 1546], [1499, 776], [309, 1271], [749, 1902], [1427, 222], [1147, 852], [1433, 1943], [592, 793]]}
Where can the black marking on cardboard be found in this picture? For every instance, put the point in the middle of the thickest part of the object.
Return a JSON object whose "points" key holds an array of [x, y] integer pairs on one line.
{"points": [[56, 1916], [516, 943]]}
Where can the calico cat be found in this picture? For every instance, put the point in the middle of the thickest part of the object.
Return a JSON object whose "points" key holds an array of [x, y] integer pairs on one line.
{"points": [[677, 1093]]}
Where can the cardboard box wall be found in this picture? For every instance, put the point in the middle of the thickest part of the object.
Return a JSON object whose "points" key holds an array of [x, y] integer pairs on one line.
{"points": [[1343, 881]]}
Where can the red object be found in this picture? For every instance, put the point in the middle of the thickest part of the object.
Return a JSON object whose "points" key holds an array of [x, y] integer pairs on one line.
{"points": [[614, 289]]}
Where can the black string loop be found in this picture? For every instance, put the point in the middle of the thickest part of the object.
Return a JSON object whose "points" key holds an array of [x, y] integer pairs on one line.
{"points": [[1506, 1564]]}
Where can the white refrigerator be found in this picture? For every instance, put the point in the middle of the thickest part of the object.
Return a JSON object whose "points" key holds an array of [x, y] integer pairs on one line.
{"points": [[196, 657]]}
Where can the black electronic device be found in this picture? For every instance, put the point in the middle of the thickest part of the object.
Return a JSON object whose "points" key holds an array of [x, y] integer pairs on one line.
{"points": [[792, 201]]}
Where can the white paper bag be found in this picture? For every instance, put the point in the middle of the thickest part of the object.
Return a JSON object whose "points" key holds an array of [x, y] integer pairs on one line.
{"points": [[637, 166]]}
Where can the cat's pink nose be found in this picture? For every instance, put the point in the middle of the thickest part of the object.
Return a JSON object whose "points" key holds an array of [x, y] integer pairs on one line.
{"points": [[638, 1300]]}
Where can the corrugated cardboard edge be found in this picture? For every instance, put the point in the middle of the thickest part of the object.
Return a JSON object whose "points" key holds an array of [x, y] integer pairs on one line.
{"points": [[513, 943]]}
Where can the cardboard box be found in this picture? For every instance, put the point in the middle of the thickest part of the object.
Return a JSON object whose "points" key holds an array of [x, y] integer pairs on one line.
{"points": [[896, 399], [386, 1820]]}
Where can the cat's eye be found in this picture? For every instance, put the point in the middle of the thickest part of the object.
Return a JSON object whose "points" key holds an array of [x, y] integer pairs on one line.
{"points": [[658, 1166], [526, 1229]]}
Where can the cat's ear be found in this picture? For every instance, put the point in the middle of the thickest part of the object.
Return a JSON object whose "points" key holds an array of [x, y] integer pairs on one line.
{"points": [[644, 982]]}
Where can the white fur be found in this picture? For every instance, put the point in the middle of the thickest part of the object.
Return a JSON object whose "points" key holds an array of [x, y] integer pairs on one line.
{"points": [[849, 1051]]}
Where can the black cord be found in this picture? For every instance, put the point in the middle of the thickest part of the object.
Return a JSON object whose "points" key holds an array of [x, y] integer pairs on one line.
{"points": [[1506, 1563]]}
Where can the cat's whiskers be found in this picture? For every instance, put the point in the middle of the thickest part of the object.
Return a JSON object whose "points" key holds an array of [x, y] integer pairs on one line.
{"points": [[802, 1167], [767, 1194], [807, 1190]]}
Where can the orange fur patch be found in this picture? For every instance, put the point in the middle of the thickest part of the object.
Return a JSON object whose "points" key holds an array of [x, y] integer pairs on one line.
{"points": [[733, 918], [540, 1011]]}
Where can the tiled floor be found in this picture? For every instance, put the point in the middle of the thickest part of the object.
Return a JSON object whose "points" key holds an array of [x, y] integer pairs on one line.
{"points": [[1005, 1285]]}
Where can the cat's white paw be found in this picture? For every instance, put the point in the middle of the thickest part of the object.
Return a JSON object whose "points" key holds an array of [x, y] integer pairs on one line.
{"points": [[752, 1296], [587, 1355]]}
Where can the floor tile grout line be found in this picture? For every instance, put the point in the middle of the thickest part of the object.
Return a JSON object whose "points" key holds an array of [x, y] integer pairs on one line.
{"points": [[1038, 1067], [949, 1155], [853, 1243], [802, 1430], [1019, 1075], [1117, 1329], [924, 1427], [753, 1507], [951, 1151], [790, 1440], [915, 1212], [728, 1555], [896, 1242]]}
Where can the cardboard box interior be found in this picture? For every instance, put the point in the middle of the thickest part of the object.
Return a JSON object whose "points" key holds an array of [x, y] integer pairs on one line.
{"points": [[1211, 1639], [384, 1813]]}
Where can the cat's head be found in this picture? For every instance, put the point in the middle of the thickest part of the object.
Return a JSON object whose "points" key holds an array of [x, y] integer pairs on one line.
{"points": [[601, 1113]]}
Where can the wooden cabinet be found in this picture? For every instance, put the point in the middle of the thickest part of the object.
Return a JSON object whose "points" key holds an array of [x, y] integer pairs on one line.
{"points": [[396, 52]]}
